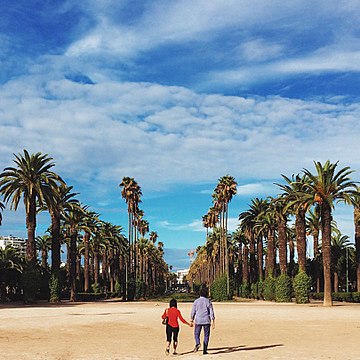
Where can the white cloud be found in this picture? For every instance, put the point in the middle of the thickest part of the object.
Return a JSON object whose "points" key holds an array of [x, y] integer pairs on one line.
{"points": [[165, 135], [257, 189]]}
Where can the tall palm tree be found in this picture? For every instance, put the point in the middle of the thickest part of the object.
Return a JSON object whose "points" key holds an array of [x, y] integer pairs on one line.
{"points": [[62, 199], [325, 187], [90, 226], [33, 181], [356, 204], [298, 205], [224, 192], [248, 219], [73, 223], [131, 192], [281, 217]]}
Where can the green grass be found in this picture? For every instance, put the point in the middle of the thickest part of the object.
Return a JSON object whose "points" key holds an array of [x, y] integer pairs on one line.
{"points": [[179, 297]]}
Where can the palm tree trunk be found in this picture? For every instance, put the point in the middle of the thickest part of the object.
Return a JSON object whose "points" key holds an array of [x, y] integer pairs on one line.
{"points": [[291, 258], [270, 259], [357, 245], [326, 252], [72, 267], [301, 239], [336, 281], [260, 258], [55, 243], [31, 226], [86, 262], [245, 272], [252, 251], [282, 246]]}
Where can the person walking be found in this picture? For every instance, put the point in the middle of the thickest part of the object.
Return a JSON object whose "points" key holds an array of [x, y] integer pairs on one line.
{"points": [[203, 314], [172, 314]]}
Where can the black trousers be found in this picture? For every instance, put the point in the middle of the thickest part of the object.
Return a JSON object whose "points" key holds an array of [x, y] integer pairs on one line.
{"points": [[172, 332]]}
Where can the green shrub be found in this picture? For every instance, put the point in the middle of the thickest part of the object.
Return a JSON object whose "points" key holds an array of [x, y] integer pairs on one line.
{"points": [[260, 289], [218, 289], [302, 285], [356, 297], [30, 283], [269, 288], [283, 288], [55, 288], [245, 290], [96, 288]]}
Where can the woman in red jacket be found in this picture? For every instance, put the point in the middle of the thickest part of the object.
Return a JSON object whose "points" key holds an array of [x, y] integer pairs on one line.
{"points": [[172, 327]]}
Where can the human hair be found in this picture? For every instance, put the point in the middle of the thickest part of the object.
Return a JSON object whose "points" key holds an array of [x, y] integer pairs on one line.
{"points": [[173, 303], [203, 291]]}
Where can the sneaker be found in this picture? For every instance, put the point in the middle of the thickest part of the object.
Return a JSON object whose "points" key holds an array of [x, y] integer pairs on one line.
{"points": [[205, 352], [174, 353], [196, 348], [167, 352]]}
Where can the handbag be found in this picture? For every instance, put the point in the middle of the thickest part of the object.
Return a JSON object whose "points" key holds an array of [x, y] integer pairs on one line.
{"points": [[165, 321]]}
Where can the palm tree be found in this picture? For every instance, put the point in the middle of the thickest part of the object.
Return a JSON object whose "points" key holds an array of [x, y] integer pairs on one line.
{"points": [[298, 205], [248, 220], [90, 225], [2, 207], [73, 218], [339, 245], [33, 181], [131, 192], [43, 244], [313, 228], [224, 192], [62, 199], [356, 204], [324, 188], [281, 217], [266, 224]]}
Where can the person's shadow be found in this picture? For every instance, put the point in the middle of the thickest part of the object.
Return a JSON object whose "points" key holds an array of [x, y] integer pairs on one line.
{"points": [[231, 349]]}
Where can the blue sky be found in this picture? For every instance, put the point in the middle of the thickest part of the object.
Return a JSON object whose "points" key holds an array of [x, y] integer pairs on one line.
{"points": [[177, 94]]}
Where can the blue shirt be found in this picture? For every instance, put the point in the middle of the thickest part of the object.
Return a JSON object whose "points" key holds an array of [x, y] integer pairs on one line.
{"points": [[202, 311]]}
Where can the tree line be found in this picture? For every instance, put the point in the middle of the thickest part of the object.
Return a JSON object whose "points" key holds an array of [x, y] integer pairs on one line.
{"points": [[99, 257], [273, 233]]}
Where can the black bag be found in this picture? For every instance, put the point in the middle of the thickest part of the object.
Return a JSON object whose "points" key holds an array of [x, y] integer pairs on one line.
{"points": [[165, 321]]}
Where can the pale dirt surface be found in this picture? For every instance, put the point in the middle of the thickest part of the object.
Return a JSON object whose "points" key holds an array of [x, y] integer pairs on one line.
{"points": [[116, 330]]}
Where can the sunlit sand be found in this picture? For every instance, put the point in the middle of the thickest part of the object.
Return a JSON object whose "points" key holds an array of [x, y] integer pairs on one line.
{"points": [[116, 330]]}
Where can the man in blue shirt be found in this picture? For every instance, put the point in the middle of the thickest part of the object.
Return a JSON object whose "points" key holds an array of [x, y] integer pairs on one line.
{"points": [[203, 313]]}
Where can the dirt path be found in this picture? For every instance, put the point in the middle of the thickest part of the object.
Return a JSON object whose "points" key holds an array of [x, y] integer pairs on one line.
{"points": [[115, 330]]}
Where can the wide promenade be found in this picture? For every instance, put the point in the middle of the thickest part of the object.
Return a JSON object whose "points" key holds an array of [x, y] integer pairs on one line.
{"points": [[116, 330]]}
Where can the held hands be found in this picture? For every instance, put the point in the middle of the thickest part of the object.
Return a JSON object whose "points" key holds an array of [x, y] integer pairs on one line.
{"points": [[191, 323]]}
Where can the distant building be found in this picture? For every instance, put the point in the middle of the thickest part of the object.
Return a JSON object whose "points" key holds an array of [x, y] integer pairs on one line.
{"points": [[181, 275], [15, 242]]}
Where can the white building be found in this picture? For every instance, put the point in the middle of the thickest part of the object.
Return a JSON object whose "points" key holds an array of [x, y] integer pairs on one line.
{"points": [[181, 275], [15, 242]]}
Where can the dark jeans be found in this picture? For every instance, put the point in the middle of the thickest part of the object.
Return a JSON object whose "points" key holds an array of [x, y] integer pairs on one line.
{"points": [[172, 332], [197, 332]]}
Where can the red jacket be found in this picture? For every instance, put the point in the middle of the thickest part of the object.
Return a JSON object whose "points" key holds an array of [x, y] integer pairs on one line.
{"points": [[173, 315]]}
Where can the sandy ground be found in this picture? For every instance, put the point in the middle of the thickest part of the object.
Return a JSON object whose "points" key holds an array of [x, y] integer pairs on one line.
{"points": [[116, 330]]}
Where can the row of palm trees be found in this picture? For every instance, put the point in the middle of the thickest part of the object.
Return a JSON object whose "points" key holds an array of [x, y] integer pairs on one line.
{"points": [[93, 246], [265, 235]]}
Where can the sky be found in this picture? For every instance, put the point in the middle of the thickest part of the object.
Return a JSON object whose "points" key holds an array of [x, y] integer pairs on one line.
{"points": [[177, 94]]}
